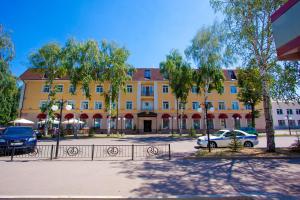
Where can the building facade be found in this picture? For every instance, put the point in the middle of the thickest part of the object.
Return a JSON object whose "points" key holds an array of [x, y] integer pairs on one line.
{"points": [[286, 114], [147, 106]]}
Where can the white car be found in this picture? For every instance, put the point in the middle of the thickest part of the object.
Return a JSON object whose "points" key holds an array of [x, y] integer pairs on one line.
{"points": [[222, 138]]}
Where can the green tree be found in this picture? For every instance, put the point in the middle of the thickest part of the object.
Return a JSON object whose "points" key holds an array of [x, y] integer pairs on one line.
{"points": [[179, 74], [251, 36], [250, 89], [8, 83], [209, 52], [47, 60], [116, 72]]}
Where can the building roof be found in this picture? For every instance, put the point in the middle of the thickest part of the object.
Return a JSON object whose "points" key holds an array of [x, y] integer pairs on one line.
{"points": [[31, 74]]}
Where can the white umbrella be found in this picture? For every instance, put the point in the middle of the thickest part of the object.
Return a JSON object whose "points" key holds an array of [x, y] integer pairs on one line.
{"points": [[21, 121], [52, 121], [72, 121]]}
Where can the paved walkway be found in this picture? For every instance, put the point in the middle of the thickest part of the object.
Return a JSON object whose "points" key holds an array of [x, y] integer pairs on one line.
{"points": [[266, 179]]}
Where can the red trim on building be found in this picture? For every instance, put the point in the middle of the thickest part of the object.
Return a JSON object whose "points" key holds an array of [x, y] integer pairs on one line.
{"points": [[128, 116], [196, 116], [292, 45], [210, 116], [97, 116], [284, 8], [69, 116], [57, 115], [223, 116], [183, 117], [165, 116], [236, 115], [41, 116], [84, 116]]}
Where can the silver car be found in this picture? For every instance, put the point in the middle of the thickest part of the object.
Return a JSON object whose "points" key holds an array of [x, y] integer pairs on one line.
{"points": [[223, 138]]}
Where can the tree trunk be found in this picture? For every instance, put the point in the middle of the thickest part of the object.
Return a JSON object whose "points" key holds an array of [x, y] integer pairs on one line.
{"points": [[117, 115], [109, 115], [268, 116], [252, 115], [177, 116], [181, 115], [47, 112]]}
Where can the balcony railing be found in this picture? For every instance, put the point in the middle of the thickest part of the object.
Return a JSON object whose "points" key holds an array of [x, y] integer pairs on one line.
{"points": [[147, 93]]}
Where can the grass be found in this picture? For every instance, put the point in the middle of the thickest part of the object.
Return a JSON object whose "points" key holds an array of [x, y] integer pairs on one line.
{"points": [[246, 152], [176, 135]]}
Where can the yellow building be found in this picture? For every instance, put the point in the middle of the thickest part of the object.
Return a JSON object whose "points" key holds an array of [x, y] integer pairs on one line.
{"points": [[147, 106]]}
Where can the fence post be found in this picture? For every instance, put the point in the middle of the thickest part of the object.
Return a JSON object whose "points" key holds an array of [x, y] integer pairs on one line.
{"points": [[12, 154], [169, 151], [93, 148], [132, 152], [51, 155]]}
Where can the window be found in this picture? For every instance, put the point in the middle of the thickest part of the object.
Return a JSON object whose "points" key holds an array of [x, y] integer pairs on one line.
{"points": [[289, 111], [58, 103], [182, 123], [147, 74], [292, 123], [222, 105], [129, 89], [166, 123], [71, 103], [232, 74], [248, 106], [165, 89], [46, 89], [298, 111], [129, 105], [298, 122], [99, 89], [113, 123], [165, 105], [279, 112], [97, 122], [196, 124], [281, 123], [209, 104], [98, 105], [182, 106], [84, 91], [128, 123], [194, 89], [237, 123], [223, 123], [43, 104], [233, 89], [59, 88], [147, 90], [235, 105], [195, 105], [113, 105], [84, 105], [71, 89], [130, 73], [249, 122]]}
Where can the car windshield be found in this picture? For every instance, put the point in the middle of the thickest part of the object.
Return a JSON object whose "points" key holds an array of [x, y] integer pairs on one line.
{"points": [[18, 131], [219, 133]]}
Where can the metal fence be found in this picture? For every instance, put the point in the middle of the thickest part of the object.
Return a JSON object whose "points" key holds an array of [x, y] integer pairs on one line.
{"points": [[88, 152]]}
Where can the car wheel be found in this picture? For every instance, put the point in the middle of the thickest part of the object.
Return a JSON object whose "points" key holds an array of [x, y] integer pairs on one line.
{"points": [[248, 144], [213, 145]]}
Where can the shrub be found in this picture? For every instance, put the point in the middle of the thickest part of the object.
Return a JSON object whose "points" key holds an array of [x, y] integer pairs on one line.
{"points": [[193, 133], [91, 132], [296, 145], [235, 144]]}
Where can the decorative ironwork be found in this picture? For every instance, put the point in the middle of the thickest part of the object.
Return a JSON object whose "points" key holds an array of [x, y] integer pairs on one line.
{"points": [[112, 151], [72, 151], [152, 151]]}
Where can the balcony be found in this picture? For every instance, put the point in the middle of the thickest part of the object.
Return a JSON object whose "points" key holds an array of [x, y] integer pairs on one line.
{"points": [[147, 93], [147, 109]]}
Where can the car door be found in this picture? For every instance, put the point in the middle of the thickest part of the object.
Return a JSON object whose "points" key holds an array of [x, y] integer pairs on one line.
{"points": [[240, 136], [226, 139]]}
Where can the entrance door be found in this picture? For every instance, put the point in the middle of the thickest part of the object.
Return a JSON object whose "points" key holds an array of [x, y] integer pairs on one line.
{"points": [[147, 125]]}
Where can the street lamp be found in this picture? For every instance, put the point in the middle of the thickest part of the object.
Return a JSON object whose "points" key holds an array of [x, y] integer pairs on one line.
{"points": [[55, 108], [207, 128], [289, 118]]}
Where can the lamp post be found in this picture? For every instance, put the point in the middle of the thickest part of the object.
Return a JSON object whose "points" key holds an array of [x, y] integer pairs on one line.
{"points": [[55, 108], [206, 119], [289, 118]]}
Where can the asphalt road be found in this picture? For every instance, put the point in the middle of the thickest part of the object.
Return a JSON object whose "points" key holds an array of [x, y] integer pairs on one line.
{"points": [[263, 179]]}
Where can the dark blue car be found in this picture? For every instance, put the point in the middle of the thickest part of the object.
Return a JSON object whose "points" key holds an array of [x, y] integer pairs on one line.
{"points": [[18, 137]]}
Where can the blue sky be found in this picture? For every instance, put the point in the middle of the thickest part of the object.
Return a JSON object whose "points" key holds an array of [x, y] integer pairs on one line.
{"points": [[149, 29]]}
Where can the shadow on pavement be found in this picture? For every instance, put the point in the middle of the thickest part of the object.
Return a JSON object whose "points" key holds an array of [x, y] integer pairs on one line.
{"points": [[267, 179]]}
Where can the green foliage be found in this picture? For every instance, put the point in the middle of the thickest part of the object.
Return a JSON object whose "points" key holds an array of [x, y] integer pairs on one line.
{"points": [[91, 132], [235, 144], [8, 83], [193, 133]]}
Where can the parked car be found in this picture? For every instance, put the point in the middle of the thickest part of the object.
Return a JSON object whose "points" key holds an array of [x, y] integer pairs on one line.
{"points": [[223, 138], [19, 137], [38, 133], [249, 130]]}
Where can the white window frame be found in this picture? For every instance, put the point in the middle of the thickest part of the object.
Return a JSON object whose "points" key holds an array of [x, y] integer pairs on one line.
{"points": [[71, 86], [96, 89], [95, 105], [281, 111], [72, 104], [163, 89], [44, 88], [198, 105], [127, 103], [238, 106], [81, 105], [163, 103], [62, 88], [42, 102], [192, 90], [129, 86], [219, 105]]}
